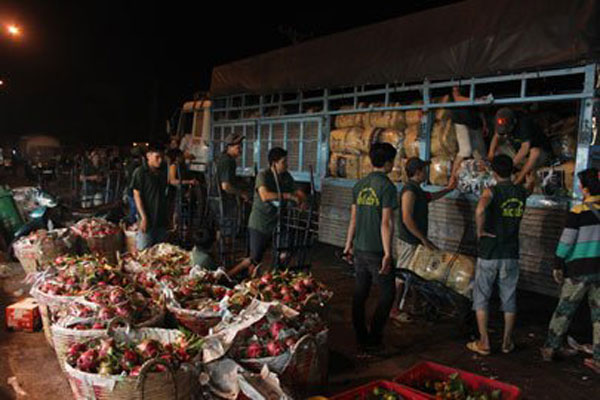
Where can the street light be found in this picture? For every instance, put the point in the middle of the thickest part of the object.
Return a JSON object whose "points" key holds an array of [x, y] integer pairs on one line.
{"points": [[13, 30]]}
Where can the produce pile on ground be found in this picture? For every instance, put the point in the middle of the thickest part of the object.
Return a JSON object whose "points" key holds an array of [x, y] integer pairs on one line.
{"points": [[294, 289], [95, 227], [88, 298]]}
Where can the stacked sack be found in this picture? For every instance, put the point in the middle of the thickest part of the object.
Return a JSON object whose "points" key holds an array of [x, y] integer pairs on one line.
{"points": [[351, 140], [354, 134], [444, 147]]}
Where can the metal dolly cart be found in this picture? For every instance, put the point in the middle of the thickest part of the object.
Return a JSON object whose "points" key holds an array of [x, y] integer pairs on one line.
{"points": [[226, 216], [296, 231], [438, 299], [189, 211]]}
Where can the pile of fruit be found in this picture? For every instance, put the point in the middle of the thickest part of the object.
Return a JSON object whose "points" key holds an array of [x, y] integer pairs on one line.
{"points": [[273, 335], [290, 288], [95, 227], [75, 275], [381, 393], [453, 388], [108, 356]]}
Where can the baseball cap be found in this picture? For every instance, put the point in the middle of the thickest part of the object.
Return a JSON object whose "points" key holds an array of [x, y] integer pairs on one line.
{"points": [[233, 139], [505, 120], [415, 164]]}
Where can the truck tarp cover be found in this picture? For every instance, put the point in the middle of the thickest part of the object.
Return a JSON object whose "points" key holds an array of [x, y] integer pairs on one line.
{"points": [[467, 39]]}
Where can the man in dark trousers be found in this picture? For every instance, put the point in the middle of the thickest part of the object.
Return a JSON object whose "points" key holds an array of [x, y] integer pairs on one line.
{"points": [[498, 219], [149, 184], [369, 240], [270, 182]]}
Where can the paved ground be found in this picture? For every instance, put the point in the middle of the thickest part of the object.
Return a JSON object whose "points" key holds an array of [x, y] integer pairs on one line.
{"points": [[32, 361]]}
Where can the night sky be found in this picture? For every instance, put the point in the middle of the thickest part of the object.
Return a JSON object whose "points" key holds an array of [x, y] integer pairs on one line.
{"points": [[109, 72]]}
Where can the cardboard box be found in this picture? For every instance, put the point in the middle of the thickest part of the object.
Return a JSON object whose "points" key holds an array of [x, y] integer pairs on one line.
{"points": [[24, 315]]}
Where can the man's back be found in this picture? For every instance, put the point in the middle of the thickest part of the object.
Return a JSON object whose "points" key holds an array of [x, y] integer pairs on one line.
{"points": [[503, 219], [370, 195]]}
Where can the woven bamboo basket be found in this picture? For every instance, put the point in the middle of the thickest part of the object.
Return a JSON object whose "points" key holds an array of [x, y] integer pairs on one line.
{"points": [[180, 384], [63, 336]]}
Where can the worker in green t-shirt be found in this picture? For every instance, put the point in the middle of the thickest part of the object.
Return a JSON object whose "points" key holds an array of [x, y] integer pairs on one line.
{"points": [[226, 169], [369, 242], [273, 184]]}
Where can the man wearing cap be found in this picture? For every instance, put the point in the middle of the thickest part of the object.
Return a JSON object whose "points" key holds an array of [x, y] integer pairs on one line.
{"points": [[226, 167], [526, 142], [413, 220], [498, 219], [149, 185]]}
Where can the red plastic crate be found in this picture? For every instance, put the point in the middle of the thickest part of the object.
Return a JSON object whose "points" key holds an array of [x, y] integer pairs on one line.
{"points": [[360, 393], [414, 376]]}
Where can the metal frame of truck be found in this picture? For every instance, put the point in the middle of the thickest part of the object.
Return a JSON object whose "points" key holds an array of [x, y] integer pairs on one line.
{"points": [[313, 128]]}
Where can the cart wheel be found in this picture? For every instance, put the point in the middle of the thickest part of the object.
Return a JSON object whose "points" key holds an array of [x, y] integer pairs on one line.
{"points": [[432, 313]]}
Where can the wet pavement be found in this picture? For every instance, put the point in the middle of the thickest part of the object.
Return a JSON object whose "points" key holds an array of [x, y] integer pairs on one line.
{"points": [[28, 357]]}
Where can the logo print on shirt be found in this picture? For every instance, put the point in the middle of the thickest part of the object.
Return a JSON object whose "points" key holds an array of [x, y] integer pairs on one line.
{"points": [[512, 208], [367, 197]]}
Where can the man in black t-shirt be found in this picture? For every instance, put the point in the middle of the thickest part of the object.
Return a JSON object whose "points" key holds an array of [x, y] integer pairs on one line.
{"points": [[498, 219], [524, 139]]}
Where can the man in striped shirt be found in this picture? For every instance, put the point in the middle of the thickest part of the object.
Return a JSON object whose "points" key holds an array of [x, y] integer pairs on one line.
{"points": [[578, 269]]}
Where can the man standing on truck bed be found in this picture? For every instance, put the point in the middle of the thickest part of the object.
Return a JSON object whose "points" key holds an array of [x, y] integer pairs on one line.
{"points": [[369, 240], [523, 141], [498, 219], [413, 221]]}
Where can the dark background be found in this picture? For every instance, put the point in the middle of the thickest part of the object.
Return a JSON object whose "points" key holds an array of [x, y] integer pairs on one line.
{"points": [[109, 72]]}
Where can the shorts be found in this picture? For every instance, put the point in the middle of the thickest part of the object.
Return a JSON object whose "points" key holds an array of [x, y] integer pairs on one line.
{"points": [[259, 242], [470, 142], [485, 276], [404, 253]]}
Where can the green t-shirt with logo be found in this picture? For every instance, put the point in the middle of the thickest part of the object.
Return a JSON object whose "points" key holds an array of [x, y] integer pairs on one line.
{"points": [[503, 218], [371, 195], [263, 216]]}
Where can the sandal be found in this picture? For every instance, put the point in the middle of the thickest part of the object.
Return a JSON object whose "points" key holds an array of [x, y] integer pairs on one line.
{"points": [[474, 347], [401, 317], [508, 349], [592, 364]]}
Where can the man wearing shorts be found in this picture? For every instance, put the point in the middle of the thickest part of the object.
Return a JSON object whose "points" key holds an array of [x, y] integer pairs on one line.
{"points": [[270, 182], [498, 219], [413, 221]]}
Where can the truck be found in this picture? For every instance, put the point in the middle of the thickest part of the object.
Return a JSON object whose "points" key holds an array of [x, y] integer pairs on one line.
{"points": [[540, 56]]}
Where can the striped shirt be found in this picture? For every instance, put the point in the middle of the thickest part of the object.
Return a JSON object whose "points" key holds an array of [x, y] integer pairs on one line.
{"points": [[579, 245]]}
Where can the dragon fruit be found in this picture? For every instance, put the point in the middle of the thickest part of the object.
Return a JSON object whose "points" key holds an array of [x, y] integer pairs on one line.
{"points": [[88, 360], [274, 348], [275, 328], [254, 350], [148, 348]]}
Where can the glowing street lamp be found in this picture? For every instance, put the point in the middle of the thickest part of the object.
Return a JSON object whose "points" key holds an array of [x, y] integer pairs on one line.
{"points": [[13, 30]]}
